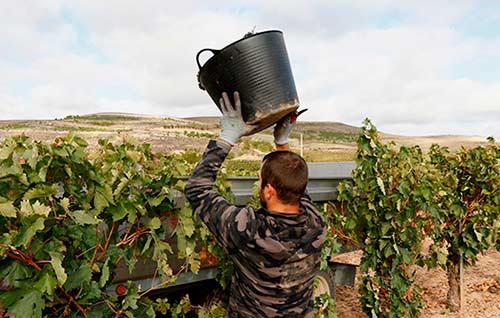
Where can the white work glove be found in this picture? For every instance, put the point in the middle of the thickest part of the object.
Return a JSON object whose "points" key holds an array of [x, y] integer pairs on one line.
{"points": [[284, 126], [232, 124]]}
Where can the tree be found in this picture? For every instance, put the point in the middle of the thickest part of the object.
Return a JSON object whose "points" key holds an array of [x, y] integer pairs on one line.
{"points": [[466, 216], [381, 209]]}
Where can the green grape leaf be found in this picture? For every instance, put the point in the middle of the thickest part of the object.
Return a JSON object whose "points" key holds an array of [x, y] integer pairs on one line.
{"points": [[41, 209], [46, 284], [23, 303], [8, 210], [104, 274], [41, 191], [83, 218], [154, 223], [78, 278], [28, 232], [26, 208], [65, 204], [100, 201], [15, 273], [56, 261]]}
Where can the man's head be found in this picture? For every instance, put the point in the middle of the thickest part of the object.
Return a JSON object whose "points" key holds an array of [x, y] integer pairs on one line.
{"points": [[286, 172]]}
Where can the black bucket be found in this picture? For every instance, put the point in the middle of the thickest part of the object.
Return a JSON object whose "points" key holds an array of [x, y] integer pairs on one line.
{"points": [[257, 66]]}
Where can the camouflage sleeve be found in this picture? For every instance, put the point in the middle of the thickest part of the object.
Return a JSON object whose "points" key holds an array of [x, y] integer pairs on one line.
{"points": [[231, 225]]}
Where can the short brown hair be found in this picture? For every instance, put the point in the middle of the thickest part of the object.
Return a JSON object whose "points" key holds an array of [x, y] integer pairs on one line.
{"points": [[287, 172]]}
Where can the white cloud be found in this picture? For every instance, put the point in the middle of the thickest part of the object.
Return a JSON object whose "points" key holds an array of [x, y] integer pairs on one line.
{"points": [[399, 75], [388, 60], [12, 107], [27, 30]]}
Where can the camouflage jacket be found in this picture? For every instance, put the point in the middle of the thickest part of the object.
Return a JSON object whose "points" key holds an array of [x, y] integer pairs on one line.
{"points": [[276, 255]]}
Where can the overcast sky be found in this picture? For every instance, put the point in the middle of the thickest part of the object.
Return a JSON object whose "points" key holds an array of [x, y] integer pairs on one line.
{"points": [[413, 67]]}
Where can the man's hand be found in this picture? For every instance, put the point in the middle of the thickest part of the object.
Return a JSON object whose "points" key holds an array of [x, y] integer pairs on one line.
{"points": [[232, 124], [284, 126]]}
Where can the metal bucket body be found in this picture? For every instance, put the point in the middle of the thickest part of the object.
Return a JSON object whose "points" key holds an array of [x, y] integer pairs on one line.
{"points": [[258, 67]]}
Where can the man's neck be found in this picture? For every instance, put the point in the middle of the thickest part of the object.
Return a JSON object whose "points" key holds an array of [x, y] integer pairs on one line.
{"points": [[284, 208]]}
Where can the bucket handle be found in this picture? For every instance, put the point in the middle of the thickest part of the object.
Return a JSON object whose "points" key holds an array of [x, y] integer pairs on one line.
{"points": [[198, 56]]}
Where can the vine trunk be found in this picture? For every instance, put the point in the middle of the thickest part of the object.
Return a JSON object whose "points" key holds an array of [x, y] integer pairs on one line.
{"points": [[453, 297]]}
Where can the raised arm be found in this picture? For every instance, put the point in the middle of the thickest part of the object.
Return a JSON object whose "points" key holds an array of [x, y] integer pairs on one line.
{"points": [[227, 222], [230, 224], [281, 132]]}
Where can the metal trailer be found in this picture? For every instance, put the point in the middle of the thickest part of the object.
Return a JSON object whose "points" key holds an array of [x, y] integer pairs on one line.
{"points": [[322, 187]]}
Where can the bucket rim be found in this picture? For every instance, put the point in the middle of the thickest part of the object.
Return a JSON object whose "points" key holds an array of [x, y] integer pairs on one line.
{"points": [[236, 42], [250, 36]]}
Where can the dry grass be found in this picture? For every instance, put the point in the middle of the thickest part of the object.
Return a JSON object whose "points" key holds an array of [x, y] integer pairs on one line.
{"points": [[327, 155]]}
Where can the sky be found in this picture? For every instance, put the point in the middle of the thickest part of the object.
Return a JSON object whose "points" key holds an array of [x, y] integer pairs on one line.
{"points": [[412, 67]]}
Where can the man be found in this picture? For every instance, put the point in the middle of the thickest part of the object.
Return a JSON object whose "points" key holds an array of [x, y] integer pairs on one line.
{"points": [[276, 250]]}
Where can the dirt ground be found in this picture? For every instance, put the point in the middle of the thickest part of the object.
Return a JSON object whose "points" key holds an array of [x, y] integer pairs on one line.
{"points": [[481, 297]]}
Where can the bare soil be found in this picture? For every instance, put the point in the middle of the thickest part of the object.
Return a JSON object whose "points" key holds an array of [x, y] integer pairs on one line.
{"points": [[481, 295]]}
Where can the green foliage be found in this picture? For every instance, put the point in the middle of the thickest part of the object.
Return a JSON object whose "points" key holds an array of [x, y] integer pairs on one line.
{"points": [[102, 123], [189, 157], [68, 217], [238, 167], [398, 198], [234, 167], [192, 125], [195, 134], [380, 209], [184, 308], [15, 126], [467, 217], [336, 136], [104, 117], [250, 144], [215, 311], [255, 199], [223, 261], [324, 306], [319, 155], [334, 238], [76, 128], [328, 136]]}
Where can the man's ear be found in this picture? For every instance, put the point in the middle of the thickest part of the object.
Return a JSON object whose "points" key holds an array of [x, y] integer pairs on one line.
{"points": [[269, 191]]}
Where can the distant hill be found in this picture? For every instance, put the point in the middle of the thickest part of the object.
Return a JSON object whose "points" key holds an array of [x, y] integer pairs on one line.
{"points": [[212, 120], [322, 141]]}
